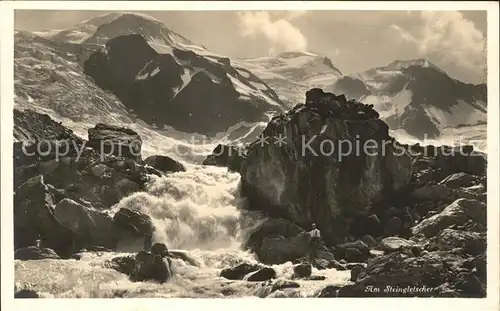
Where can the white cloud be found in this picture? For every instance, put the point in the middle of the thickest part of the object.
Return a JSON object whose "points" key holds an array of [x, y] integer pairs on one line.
{"points": [[449, 36], [276, 27], [404, 35]]}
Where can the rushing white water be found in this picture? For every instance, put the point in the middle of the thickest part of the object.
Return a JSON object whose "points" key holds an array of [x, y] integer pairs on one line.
{"points": [[198, 212]]}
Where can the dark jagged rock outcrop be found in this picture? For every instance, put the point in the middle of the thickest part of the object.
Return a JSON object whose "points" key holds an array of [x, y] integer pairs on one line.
{"points": [[240, 271], [152, 85], [302, 270], [271, 228], [304, 181], [134, 225], [263, 274], [164, 164], [456, 213], [34, 219], [144, 266]]}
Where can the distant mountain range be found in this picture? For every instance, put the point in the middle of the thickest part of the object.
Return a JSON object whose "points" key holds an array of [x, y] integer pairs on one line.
{"points": [[128, 67], [417, 96]]}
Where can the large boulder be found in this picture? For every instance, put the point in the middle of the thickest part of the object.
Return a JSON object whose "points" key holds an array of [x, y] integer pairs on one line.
{"points": [[95, 227], [133, 226], [144, 266], [263, 274], [240, 271], [164, 164], [35, 253], [458, 180], [34, 219], [356, 251], [457, 213], [302, 270], [113, 140], [311, 176], [279, 250]]}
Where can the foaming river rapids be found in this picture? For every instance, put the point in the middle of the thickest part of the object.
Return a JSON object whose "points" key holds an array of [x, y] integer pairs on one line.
{"points": [[197, 212]]}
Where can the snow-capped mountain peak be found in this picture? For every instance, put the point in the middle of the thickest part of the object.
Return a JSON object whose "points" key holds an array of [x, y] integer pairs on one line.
{"points": [[291, 74], [102, 28], [403, 64]]}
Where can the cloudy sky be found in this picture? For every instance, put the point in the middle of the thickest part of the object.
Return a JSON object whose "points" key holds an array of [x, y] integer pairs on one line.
{"points": [[354, 40]]}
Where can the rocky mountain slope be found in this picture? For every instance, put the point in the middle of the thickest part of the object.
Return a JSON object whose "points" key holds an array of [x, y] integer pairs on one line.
{"points": [[170, 86], [418, 97]]}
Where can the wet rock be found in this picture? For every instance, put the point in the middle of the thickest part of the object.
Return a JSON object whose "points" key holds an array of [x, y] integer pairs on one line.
{"points": [[150, 267], [320, 264], [123, 264], [240, 271], [287, 180], [122, 142], [184, 256], [271, 228], [355, 272], [134, 222], [93, 227], [317, 278], [336, 265], [263, 274], [35, 253], [471, 242], [279, 250], [302, 270], [160, 249], [164, 164]]}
